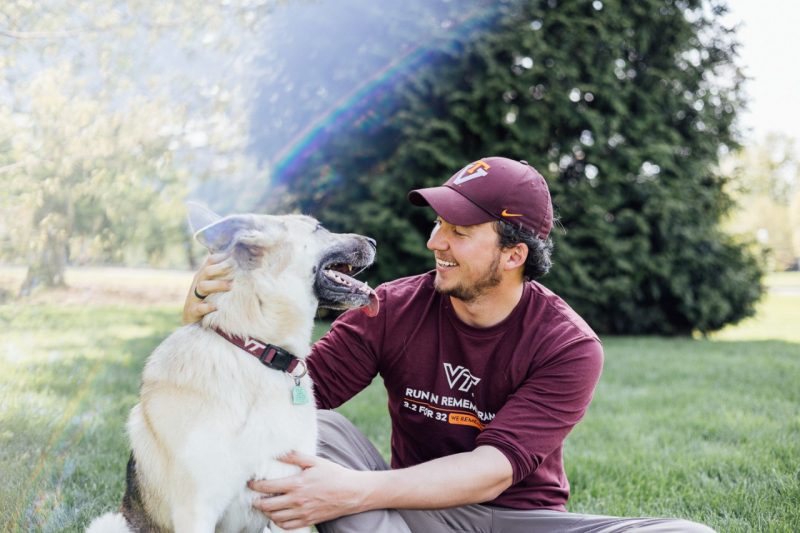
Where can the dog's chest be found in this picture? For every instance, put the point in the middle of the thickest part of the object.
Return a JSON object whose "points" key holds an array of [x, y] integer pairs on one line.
{"points": [[255, 405], [274, 427]]}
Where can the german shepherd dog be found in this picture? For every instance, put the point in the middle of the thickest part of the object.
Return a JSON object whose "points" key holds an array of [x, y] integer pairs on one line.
{"points": [[223, 399]]}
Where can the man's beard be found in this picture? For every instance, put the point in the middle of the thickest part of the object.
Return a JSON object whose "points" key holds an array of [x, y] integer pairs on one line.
{"points": [[490, 278]]}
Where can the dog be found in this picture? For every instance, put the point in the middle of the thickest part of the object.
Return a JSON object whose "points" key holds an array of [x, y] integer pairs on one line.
{"points": [[223, 399]]}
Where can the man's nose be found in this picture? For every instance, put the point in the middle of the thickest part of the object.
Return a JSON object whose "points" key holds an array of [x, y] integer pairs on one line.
{"points": [[436, 241]]}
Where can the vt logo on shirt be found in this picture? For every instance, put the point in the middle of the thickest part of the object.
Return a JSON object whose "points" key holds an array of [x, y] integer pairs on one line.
{"points": [[459, 374]]}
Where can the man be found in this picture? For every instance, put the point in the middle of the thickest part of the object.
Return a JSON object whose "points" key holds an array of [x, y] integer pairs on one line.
{"points": [[486, 372]]}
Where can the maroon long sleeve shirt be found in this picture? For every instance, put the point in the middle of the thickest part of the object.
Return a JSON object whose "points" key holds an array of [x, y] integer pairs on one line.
{"points": [[519, 386]]}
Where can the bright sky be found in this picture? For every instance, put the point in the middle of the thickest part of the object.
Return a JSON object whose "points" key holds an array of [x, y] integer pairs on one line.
{"points": [[770, 37]]}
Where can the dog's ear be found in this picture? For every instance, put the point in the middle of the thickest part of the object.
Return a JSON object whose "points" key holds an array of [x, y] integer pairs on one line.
{"points": [[253, 244], [250, 237], [200, 216], [218, 236]]}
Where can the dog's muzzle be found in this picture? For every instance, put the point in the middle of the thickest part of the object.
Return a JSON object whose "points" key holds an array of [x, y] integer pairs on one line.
{"points": [[335, 285]]}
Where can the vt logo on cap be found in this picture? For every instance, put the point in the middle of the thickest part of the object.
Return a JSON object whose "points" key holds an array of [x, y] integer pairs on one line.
{"points": [[472, 171]]}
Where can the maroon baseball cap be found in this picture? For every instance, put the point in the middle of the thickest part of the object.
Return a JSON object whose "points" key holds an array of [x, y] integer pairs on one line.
{"points": [[492, 188]]}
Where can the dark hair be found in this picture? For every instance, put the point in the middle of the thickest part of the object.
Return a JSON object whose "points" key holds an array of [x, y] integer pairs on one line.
{"points": [[538, 262]]}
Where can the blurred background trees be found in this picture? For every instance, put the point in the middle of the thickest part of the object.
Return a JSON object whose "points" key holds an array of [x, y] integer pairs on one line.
{"points": [[114, 112], [765, 184], [110, 115], [624, 108]]}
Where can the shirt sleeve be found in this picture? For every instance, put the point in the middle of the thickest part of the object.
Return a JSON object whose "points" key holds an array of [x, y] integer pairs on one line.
{"points": [[539, 415], [345, 360]]}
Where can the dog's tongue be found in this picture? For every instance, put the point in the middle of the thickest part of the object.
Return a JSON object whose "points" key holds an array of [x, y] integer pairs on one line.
{"points": [[374, 305]]}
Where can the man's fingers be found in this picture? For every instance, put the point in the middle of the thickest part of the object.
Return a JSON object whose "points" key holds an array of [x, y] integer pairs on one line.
{"points": [[216, 258], [202, 309], [271, 504], [273, 486], [210, 286], [279, 510], [292, 524], [215, 265], [203, 284], [216, 270], [289, 519], [300, 459]]}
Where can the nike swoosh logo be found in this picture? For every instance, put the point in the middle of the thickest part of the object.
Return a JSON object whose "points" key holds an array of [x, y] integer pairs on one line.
{"points": [[505, 213]]}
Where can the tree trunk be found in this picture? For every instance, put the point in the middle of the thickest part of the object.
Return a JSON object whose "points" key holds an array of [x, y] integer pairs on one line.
{"points": [[188, 245], [48, 260]]}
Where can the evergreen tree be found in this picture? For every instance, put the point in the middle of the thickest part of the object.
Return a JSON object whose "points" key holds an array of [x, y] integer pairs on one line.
{"points": [[624, 108]]}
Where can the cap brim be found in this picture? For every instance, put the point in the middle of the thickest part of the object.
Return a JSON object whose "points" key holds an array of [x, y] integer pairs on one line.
{"points": [[450, 205]]}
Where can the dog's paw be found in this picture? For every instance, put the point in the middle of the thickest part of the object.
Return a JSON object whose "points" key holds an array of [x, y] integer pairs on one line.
{"points": [[109, 523]]}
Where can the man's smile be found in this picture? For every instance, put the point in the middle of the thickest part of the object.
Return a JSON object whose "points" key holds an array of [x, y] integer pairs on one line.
{"points": [[441, 263]]}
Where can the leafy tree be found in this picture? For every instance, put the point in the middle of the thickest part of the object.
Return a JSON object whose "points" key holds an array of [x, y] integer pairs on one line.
{"points": [[765, 183], [111, 112], [624, 107]]}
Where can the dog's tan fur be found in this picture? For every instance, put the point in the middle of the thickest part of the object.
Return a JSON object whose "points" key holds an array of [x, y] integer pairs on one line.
{"points": [[211, 416]]}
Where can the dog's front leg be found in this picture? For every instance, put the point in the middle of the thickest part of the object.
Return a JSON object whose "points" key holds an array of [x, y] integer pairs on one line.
{"points": [[205, 479], [188, 518], [200, 506]]}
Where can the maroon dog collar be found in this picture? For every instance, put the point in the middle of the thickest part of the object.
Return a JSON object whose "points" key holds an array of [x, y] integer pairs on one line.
{"points": [[270, 355]]}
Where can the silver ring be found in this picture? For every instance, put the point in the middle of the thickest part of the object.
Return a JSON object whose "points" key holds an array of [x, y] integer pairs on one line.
{"points": [[305, 369]]}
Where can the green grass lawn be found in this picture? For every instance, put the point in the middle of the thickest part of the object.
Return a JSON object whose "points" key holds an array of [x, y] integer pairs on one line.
{"points": [[706, 429]]}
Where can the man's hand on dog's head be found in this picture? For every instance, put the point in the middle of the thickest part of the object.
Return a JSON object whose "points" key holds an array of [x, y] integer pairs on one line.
{"points": [[214, 276]]}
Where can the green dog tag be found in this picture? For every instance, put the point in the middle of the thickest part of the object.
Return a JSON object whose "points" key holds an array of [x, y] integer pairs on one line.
{"points": [[299, 396]]}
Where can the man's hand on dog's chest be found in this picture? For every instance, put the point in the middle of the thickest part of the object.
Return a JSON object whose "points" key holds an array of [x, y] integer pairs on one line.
{"points": [[323, 491]]}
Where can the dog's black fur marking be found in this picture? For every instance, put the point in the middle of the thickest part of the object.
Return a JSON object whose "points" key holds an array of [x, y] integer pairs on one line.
{"points": [[133, 506]]}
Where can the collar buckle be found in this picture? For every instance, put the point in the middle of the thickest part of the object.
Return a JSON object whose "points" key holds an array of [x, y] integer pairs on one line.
{"points": [[271, 356], [278, 358]]}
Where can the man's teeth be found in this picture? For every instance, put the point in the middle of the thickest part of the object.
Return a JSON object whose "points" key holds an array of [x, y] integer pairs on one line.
{"points": [[443, 263]]}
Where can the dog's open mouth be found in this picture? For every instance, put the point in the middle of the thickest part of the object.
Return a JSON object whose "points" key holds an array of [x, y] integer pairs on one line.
{"points": [[336, 288]]}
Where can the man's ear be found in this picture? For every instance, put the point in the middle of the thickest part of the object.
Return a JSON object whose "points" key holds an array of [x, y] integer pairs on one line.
{"points": [[518, 254]]}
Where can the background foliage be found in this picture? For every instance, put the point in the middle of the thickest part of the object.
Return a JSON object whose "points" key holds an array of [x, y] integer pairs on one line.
{"points": [[766, 187], [110, 113], [624, 108]]}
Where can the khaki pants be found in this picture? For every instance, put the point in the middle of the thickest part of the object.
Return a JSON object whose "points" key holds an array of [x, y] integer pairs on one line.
{"points": [[341, 442]]}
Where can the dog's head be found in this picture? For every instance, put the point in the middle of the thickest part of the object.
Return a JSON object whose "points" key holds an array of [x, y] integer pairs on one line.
{"points": [[293, 250]]}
